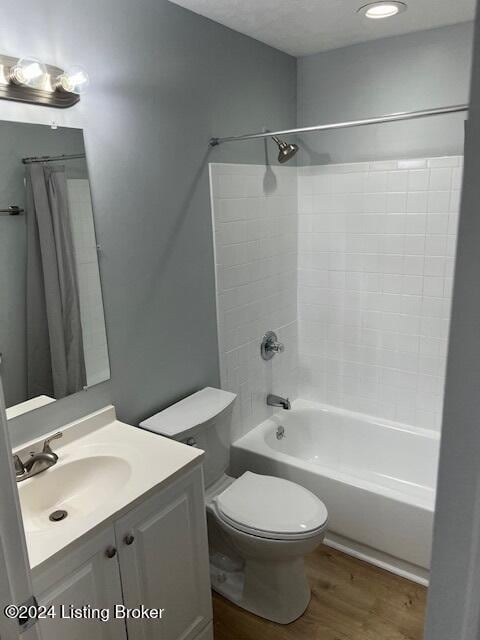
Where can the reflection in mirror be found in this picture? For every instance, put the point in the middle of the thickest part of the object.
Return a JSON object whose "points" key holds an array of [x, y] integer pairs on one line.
{"points": [[52, 329]]}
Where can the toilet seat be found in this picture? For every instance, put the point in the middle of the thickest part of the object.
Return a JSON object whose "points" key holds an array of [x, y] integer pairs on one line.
{"points": [[270, 507]]}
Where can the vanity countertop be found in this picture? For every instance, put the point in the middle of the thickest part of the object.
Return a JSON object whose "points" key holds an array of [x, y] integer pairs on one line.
{"points": [[104, 468]]}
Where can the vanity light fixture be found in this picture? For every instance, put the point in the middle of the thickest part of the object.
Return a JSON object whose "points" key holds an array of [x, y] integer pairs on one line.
{"points": [[73, 80], [30, 80], [381, 10], [29, 72]]}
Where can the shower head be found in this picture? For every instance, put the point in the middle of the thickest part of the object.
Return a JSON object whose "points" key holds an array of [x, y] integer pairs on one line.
{"points": [[286, 150]]}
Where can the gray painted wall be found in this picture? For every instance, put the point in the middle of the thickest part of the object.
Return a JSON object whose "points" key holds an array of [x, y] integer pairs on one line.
{"points": [[163, 80], [453, 607], [18, 140], [405, 73]]}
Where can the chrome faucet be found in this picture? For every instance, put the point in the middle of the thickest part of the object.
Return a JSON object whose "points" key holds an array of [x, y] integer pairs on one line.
{"points": [[278, 401], [37, 462]]}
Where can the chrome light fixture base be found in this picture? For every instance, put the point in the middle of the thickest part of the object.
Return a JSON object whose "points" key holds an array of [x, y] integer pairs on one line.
{"points": [[47, 96]]}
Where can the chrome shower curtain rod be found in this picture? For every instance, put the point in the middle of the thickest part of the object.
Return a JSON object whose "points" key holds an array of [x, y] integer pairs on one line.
{"points": [[393, 117], [33, 159]]}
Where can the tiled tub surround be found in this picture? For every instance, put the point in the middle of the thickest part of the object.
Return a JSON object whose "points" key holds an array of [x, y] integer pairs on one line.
{"points": [[255, 222], [374, 271], [375, 268]]}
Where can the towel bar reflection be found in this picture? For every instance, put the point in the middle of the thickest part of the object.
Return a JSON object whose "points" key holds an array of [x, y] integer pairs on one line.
{"points": [[13, 210]]}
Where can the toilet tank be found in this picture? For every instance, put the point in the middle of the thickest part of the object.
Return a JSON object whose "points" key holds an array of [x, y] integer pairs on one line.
{"points": [[203, 420]]}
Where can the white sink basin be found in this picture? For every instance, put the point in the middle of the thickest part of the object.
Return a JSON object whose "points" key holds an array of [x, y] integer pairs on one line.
{"points": [[104, 466], [78, 487]]}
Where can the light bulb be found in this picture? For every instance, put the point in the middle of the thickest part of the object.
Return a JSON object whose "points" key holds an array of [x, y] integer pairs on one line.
{"points": [[73, 80], [380, 10], [29, 72]]}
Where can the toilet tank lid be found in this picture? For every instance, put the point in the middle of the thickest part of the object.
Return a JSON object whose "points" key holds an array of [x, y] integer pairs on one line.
{"points": [[193, 411]]}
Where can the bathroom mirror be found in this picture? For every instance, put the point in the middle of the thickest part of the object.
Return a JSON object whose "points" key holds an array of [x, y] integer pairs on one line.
{"points": [[52, 329]]}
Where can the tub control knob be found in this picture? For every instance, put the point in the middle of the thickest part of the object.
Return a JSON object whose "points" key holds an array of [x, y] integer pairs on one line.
{"points": [[270, 346], [278, 347]]}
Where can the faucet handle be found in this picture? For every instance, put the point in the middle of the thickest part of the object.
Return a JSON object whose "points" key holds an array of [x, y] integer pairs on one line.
{"points": [[277, 347], [19, 466], [270, 345], [46, 443]]}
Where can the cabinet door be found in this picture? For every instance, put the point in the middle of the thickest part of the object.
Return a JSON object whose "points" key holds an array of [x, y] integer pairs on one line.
{"points": [[163, 555], [86, 577]]}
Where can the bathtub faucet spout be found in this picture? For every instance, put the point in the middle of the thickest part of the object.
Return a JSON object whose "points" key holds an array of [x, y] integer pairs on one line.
{"points": [[278, 401]]}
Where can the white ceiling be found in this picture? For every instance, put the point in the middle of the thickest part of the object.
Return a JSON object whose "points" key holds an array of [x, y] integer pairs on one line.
{"points": [[301, 27]]}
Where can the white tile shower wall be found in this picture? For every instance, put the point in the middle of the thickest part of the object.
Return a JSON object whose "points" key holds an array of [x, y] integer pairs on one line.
{"points": [[376, 249], [91, 305], [255, 222]]}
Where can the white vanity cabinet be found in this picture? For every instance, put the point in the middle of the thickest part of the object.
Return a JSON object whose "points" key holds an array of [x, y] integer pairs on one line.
{"points": [[163, 554], [87, 576], [155, 555]]}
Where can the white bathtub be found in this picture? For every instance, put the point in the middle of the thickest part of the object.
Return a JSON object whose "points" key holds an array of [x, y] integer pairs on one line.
{"points": [[377, 479]]}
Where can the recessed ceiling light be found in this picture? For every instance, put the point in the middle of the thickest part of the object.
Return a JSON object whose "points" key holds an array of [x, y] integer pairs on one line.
{"points": [[380, 10]]}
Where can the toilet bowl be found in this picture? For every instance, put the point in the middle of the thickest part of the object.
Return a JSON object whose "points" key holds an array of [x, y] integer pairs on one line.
{"points": [[271, 523], [259, 527]]}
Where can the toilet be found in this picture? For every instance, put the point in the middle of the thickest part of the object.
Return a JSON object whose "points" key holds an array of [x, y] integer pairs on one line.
{"points": [[259, 527]]}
